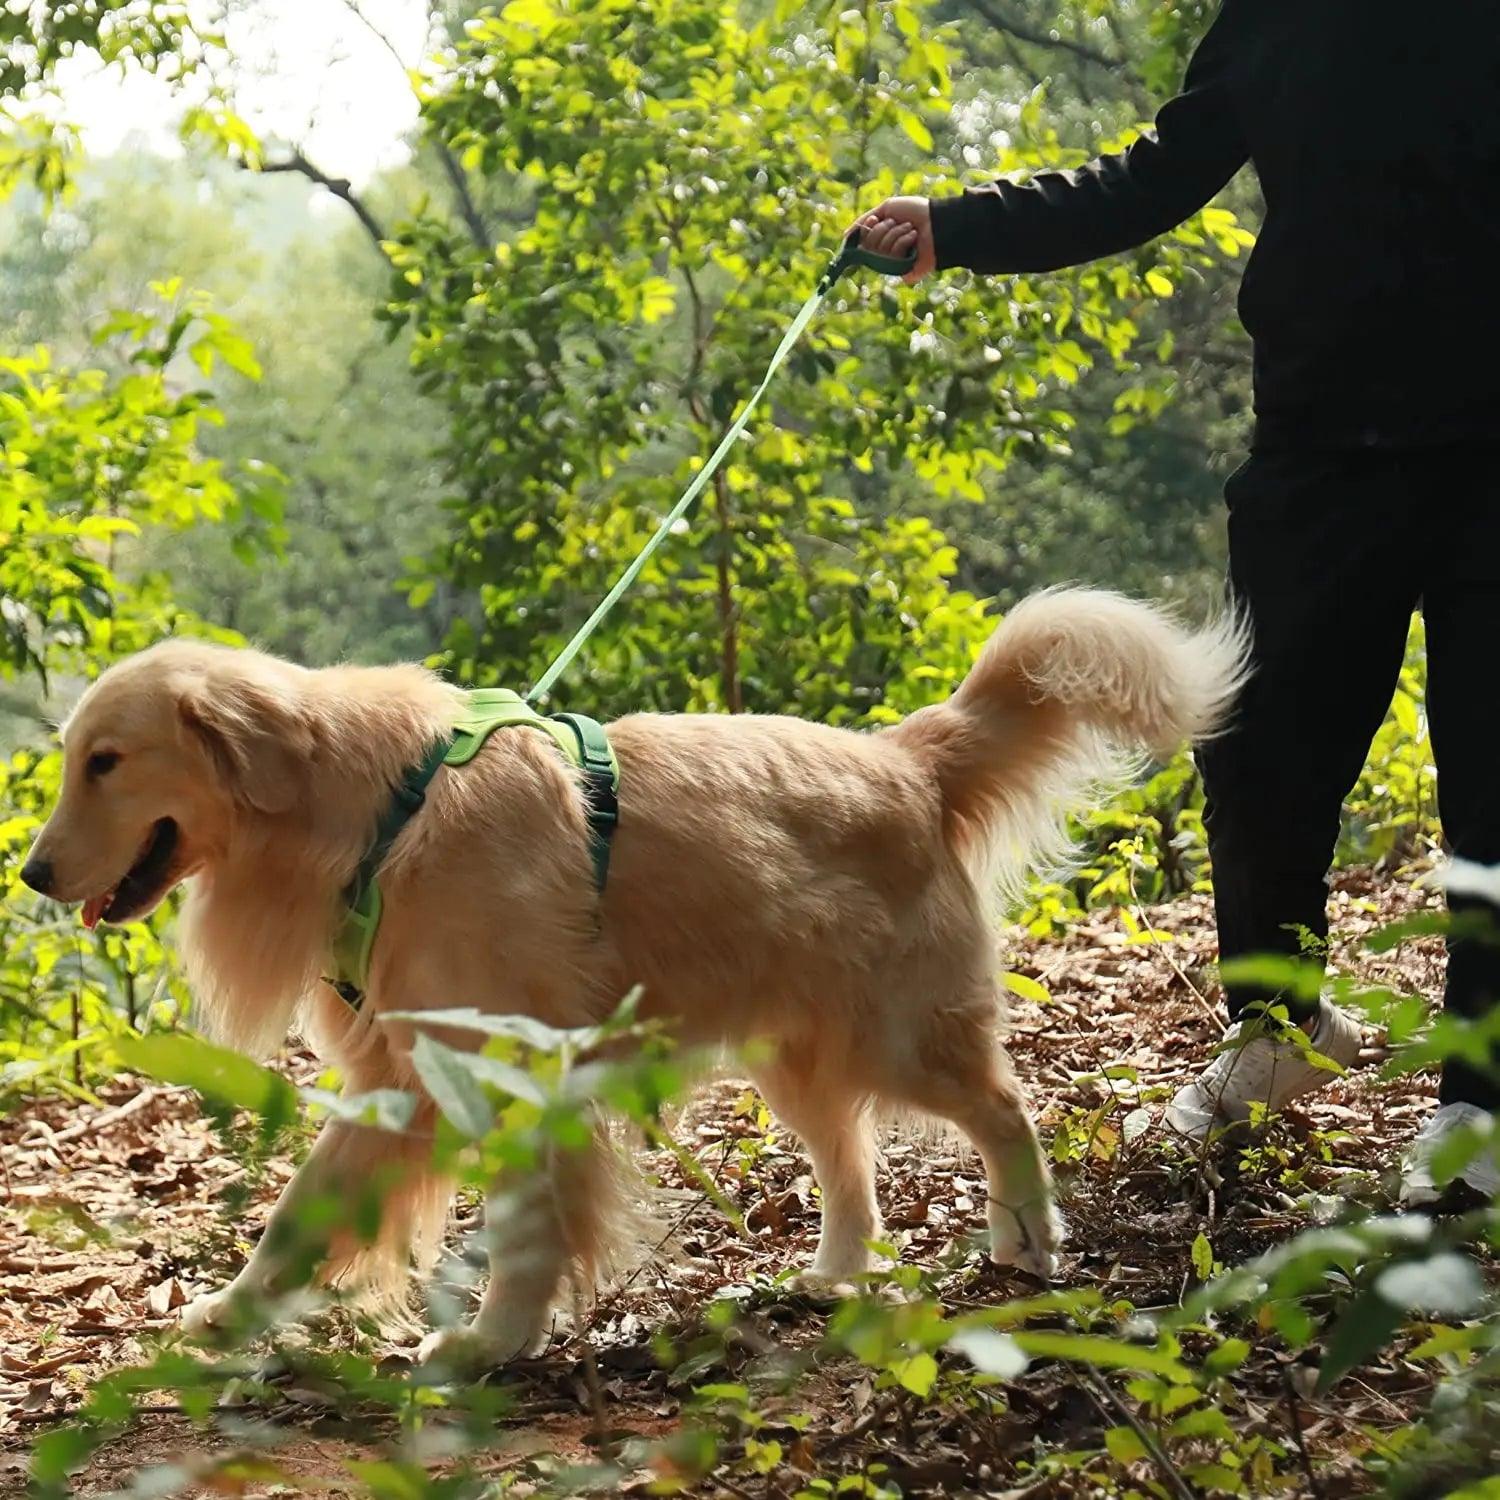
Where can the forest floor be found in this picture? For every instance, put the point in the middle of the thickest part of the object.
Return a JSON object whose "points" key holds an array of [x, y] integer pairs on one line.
{"points": [[110, 1218]]}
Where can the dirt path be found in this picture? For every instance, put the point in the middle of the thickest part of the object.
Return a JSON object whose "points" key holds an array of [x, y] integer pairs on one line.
{"points": [[111, 1216]]}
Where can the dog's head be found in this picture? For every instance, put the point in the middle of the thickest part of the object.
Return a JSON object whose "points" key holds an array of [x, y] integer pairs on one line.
{"points": [[163, 758]]}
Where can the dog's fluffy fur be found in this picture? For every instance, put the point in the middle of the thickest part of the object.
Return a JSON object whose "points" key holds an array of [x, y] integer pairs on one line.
{"points": [[821, 892]]}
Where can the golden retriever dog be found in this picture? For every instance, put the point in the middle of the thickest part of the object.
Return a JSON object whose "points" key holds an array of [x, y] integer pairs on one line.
{"points": [[824, 893]]}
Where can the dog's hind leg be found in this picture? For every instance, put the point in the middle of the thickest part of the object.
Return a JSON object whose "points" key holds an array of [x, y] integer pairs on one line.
{"points": [[528, 1257], [959, 1072], [835, 1127], [540, 1226]]}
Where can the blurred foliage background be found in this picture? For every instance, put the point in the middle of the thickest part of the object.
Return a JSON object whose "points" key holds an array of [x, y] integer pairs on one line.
{"points": [[431, 413]]}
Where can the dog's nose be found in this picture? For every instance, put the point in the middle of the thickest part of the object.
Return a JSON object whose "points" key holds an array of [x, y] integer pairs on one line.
{"points": [[37, 873]]}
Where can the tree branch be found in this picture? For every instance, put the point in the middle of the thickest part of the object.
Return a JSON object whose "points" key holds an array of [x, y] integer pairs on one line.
{"points": [[729, 637], [1011, 25], [468, 209], [1019, 62], [340, 187], [354, 9]]}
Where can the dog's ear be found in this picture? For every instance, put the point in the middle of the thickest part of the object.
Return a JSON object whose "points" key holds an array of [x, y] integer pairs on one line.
{"points": [[256, 734]]}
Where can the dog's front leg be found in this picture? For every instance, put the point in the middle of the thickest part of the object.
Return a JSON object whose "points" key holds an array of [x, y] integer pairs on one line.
{"points": [[312, 1221]]}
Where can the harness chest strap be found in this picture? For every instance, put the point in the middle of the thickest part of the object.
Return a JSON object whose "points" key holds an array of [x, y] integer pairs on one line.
{"points": [[580, 738]]}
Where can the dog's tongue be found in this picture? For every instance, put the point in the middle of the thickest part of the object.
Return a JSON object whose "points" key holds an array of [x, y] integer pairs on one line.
{"points": [[95, 907]]}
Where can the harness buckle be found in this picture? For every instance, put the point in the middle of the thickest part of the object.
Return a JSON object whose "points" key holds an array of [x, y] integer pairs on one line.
{"points": [[347, 991], [604, 801]]}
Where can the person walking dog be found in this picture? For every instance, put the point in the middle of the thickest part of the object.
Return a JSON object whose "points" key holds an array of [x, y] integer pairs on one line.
{"points": [[1372, 485]]}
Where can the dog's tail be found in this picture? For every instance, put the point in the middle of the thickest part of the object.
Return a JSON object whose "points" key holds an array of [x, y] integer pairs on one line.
{"points": [[1065, 697]]}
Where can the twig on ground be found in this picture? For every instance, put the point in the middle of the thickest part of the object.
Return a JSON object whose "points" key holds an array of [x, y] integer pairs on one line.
{"points": [[595, 1388], [66, 1413], [1192, 989], [872, 1418], [661, 1138], [1293, 1416], [1094, 1386], [607, 1307], [111, 1116]]}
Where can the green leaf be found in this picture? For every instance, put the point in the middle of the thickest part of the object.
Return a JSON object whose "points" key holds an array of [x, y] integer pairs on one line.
{"points": [[506, 1077], [1297, 977], [1481, 1489], [1456, 1150], [390, 1481], [1217, 1476], [1230, 1355], [100, 528], [454, 1089], [217, 1073], [56, 1454], [1449, 1340], [917, 1374], [739, 1395], [1125, 1445], [1107, 1354], [534, 1033], [913, 125], [1205, 1422], [1026, 987], [1367, 1325], [386, 1109], [238, 353], [1203, 1257], [1444, 1285]]}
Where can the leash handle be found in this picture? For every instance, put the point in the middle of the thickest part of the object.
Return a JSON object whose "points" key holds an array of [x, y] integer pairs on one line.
{"points": [[853, 253]]}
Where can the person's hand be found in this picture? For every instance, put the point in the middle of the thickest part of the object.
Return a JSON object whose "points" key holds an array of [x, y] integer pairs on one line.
{"points": [[896, 228]]}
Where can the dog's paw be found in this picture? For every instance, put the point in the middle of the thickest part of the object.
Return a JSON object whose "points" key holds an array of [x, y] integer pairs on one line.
{"points": [[825, 1288], [471, 1350], [818, 1285], [1025, 1237], [211, 1313]]}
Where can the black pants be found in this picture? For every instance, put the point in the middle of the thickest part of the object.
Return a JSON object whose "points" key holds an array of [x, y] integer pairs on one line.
{"points": [[1330, 552]]}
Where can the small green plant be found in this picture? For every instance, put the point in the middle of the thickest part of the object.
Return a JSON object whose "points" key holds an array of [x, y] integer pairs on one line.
{"points": [[98, 462]]}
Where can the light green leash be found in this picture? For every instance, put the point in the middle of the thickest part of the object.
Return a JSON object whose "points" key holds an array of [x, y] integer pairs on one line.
{"points": [[581, 739], [852, 254]]}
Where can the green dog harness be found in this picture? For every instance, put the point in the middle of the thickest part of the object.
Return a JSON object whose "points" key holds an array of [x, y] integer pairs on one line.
{"points": [[581, 739]]}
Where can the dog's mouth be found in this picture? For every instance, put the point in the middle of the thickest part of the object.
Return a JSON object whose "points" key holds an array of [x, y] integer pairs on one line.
{"points": [[143, 884]]}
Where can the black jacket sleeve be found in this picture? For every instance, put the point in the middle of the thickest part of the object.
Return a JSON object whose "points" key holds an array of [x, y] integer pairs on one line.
{"points": [[1117, 202]]}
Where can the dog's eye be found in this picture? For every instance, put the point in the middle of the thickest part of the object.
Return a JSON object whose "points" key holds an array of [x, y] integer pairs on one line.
{"points": [[101, 763]]}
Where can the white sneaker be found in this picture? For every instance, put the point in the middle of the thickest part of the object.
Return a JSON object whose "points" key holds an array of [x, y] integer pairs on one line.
{"points": [[1425, 1176], [1265, 1070]]}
